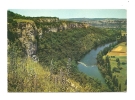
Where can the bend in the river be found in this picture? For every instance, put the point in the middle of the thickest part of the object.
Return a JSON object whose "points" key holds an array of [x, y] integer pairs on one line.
{"points": [[88, 64]]}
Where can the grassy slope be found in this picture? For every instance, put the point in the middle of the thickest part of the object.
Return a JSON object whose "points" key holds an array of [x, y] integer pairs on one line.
{"points": [[32, 77]]}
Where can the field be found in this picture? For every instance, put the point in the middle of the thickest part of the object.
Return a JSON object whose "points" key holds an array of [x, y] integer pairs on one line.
{"points": [[119, 51]]}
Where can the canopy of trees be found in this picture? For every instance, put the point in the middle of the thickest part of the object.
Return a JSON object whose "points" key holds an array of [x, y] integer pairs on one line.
{"points": [[54, 51]]}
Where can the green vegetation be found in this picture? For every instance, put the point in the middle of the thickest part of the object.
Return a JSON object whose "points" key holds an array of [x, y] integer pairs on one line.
{"points": [[113, 66], [120, 62], [25, 75], [28, 76], [23, 20], [71, 44], [122, 74], [58, 54]]}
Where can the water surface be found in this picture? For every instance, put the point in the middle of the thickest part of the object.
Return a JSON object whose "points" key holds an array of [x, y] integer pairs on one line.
{"points": [[88, 64]]}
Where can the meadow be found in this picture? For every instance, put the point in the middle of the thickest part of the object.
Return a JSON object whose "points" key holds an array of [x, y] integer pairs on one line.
{"points": [[120, 52]]}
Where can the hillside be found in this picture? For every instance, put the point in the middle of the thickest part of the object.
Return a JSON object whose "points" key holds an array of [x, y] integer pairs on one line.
{"points": [[43, 54], [32, 77], [102, 22]]}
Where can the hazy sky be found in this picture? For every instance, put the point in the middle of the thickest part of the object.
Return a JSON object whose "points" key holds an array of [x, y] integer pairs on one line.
{"points": [[73, 13]]}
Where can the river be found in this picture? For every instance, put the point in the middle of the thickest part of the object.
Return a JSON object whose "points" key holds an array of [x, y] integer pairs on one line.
{"points": [[88, 64]]}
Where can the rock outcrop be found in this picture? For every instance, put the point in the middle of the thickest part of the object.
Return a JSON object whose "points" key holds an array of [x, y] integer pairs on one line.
{"points": [[54, 24], [26, 32], [47, 19], [28, 29]]}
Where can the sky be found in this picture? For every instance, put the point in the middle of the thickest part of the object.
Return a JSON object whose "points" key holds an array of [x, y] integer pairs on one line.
{"points": [[73, 13]]}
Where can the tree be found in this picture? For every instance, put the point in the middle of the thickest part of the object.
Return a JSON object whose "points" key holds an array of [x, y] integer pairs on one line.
{"points": [[107, 79], [100, 58], [107, 60], [104, 71], [118, 62], [68, 66], [116, 82], [95, 44], [114, 78], [120, 87], [126, 82]]}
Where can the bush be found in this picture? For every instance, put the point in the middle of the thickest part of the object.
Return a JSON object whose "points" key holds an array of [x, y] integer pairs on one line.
{"points": [[123, 63], [120, 67], [116, 70]]}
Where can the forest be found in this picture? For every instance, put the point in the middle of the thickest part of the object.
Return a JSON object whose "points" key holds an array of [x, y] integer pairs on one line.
{"points": [[58, 54]]}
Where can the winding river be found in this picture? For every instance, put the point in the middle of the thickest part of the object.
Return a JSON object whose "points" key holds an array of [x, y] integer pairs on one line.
{"points": [[88, 64]]}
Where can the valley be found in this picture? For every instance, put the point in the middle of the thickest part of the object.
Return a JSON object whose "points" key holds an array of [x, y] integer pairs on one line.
{"points": [[44, 54]]}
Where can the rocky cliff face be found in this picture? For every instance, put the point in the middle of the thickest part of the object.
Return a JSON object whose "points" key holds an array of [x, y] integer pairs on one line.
{"points": [[28, 29], [26, 32], [58, 26], [47, 19]]}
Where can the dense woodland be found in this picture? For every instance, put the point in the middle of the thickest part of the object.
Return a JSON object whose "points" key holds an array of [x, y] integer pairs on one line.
{"points": [[105, 68], [58, 54]]}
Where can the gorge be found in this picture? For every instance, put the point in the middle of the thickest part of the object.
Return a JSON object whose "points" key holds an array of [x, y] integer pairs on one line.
{"points": [[58, 47]]}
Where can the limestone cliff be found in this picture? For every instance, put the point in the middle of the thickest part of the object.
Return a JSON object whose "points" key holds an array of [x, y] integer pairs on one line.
{"points": [[47, 19], [27, 31], [46, 25]]}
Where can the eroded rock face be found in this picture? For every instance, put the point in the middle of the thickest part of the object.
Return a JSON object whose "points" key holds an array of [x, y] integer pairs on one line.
{"points": [[48, 20], [64, 26], [26, 33], [53, 29]]}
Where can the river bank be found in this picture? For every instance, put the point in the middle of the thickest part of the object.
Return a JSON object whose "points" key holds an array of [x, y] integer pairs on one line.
{"points": [[113, 67], [90, 61]]}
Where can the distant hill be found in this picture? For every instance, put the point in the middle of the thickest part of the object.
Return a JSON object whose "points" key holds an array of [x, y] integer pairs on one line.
{"points": [[92, 19], [43, 53], [102, 22]]}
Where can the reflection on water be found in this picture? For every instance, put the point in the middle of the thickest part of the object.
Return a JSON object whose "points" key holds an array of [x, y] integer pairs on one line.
{"points": [[88, 64]]}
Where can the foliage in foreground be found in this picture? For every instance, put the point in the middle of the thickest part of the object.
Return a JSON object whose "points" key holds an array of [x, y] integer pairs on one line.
{"points": [[54, 50], [25, 75], [29, 76]]}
